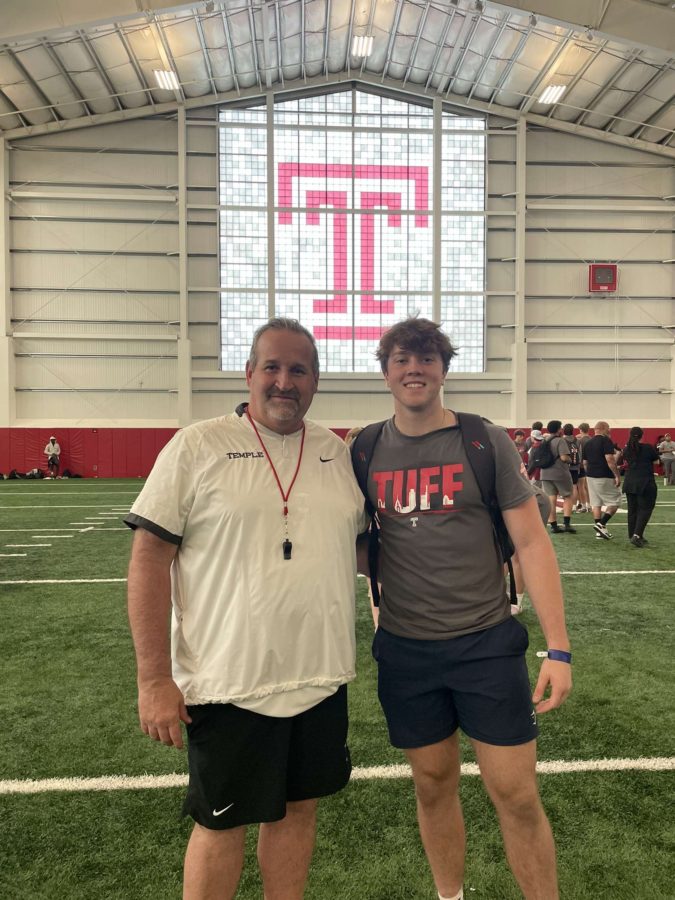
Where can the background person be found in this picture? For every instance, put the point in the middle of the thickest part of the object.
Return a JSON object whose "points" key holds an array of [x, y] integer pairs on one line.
{"points": [[574, 453], [603, 479], [557, 481], [667, 455], [247, 528], [639, 485], [53, 453], [583, 500]]}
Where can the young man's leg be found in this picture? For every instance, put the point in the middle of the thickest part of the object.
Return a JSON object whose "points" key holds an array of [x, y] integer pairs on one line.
{"points": [[213, 863], [436, 772], [285, 851], [509, 774]]}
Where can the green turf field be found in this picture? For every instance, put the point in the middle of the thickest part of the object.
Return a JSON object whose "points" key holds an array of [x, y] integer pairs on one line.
{"points": [[67, 703]]}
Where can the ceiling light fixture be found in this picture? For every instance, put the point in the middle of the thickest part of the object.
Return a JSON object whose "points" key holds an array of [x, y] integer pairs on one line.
{"points": [[552, 93], [533, 20], [362, 45], [166, 79]]}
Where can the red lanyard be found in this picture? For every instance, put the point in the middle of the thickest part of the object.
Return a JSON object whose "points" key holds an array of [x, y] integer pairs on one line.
{"points": [[287, 545]]}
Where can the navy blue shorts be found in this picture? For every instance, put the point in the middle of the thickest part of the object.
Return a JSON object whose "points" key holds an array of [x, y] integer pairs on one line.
{"points": [[477, 682]]}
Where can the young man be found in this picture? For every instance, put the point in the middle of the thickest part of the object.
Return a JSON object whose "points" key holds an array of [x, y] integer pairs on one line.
{"points": [[556, 480], [449, 653], [246, 527]]}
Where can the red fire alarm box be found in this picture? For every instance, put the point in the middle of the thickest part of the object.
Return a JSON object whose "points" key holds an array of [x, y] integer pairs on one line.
{"points": [[602, 277]]}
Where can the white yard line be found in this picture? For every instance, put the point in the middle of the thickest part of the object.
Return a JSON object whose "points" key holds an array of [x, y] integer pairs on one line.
{"points": [[37, 536], [626, 572], [67, 493], [370, 773], [68, 581], [56, 506], [27, 545], [13, 554]]}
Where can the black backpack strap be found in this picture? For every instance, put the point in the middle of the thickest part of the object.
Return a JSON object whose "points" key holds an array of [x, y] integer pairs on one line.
{"points": [[481, 455], [362, 450]]}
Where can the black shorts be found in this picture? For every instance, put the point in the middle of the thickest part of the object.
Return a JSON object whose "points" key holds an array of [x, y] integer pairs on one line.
{"points": [[575, 475], [477, 682], [244, 766]]}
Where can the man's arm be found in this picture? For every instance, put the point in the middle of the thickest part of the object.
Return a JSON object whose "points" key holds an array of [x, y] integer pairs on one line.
{"points": [[542, 579], [612, 463], [161, 706]]}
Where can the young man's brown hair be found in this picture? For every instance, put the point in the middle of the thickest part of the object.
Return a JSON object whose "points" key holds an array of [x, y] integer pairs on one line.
{"points": [[416, 336]]}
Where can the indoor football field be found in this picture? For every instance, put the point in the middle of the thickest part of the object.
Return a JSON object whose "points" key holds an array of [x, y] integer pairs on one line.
{"points": [[89, 807]]}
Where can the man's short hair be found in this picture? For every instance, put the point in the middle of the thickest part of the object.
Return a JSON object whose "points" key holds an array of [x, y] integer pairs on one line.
{"points": [[568, 429], [416, 336], [537, 426], [516, 433], [554, 426], [280, 324], [584, 428], [601, 427]]}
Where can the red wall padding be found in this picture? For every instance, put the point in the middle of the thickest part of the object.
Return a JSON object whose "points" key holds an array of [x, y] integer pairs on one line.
{"points": [[130, 452], [90, 452]]}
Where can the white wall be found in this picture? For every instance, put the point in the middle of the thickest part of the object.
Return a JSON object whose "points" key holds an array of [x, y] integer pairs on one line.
{"points": [[99, 288]]}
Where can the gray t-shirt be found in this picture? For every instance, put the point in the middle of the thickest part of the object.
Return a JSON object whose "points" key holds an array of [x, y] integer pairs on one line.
{"points": [[439, 568], [559, 471]]}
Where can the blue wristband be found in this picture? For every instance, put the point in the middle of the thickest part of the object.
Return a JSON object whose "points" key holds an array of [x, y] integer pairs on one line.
{"points": [[560, 656]]}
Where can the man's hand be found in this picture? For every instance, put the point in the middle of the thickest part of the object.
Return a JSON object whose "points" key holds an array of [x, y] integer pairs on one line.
{"points": [[557, 675], [161, 709]]}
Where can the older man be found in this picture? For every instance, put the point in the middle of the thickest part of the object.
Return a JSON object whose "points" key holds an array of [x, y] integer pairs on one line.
{"points": [[603, 478], [246, 527]]}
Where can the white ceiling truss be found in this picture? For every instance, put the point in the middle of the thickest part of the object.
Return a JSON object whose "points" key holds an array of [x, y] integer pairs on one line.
{"points": [[66, 72]]}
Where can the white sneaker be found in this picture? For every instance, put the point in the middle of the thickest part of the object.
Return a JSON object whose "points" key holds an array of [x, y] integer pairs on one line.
{"points": [[601, 531]]}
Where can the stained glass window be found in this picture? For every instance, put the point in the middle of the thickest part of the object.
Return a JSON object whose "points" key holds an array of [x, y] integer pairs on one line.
{"points": [[352, 233]]}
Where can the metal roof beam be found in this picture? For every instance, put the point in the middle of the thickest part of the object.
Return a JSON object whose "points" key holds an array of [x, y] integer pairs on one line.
{"points": [[488, 56], [579, 75], [230, 48], [53, 55], [607, 87], [465, 50], [205, 51], [634, 22], [548, 71], [418, 36], [450, 67], [32, 84], [165, 53], [639, 95], [326, 39], [655, 116], [340, 79], [254, 44], [135, 65], [511, 63], [392, 38], [441, 46], [15, 110], [99, 68]]}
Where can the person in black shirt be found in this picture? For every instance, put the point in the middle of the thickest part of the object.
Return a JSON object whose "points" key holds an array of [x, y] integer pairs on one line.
{"points": [[639, 485], [604, 481]]}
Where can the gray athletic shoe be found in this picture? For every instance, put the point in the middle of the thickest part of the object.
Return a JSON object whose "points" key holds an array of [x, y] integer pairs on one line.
{"points": [[601, 531]]}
